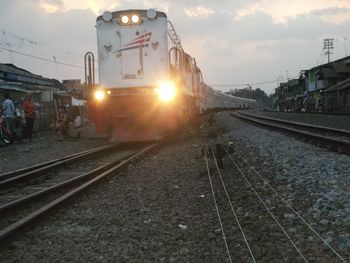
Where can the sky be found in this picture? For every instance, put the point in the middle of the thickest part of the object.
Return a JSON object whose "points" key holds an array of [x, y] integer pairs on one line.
{"points": [[235, 42]]}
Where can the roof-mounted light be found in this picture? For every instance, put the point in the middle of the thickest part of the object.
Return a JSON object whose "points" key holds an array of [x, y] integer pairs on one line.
{"points": [[135, 19], [124, 19], [130, 19]]}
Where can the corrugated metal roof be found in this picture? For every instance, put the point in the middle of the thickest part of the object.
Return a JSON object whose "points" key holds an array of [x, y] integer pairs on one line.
{"points": [[17, 87], [11, 73], [339, 86]]}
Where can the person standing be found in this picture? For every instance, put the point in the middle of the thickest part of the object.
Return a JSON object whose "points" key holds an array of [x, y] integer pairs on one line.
{"points": [[9, 112], [29, 113], [62, 124]]}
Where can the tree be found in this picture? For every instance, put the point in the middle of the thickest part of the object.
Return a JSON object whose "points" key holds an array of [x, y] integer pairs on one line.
{"points": [[259, 95]]}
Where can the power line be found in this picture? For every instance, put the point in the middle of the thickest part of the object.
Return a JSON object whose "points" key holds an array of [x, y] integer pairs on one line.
{"points": [[244, 84], [250, 83], [43, 59], [36, 43]]}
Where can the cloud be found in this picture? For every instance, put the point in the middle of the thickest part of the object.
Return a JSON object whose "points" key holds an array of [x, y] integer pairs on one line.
{"points": [[233, 41], [96, 6], [283, 10], [51, 6], [199, 11]]}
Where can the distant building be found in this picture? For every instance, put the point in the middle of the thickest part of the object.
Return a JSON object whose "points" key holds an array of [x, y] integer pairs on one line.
{"points": [[19, 82], [322, 88], [76, 88]]}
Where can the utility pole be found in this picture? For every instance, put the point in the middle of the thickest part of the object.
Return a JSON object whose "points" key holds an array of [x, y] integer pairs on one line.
{"points": [[250, 95], [328, 45]]}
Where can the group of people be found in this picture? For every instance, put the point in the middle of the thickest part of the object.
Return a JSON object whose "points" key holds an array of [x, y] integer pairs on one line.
{"points": [[19, 128], [14, 124]]}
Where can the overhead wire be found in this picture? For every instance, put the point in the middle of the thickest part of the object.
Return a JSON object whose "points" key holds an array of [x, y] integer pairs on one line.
{"points": [[233, 210], [247, 84], [268, 209], [37, 43], [217, 209], [8, 46], [54, 61]]}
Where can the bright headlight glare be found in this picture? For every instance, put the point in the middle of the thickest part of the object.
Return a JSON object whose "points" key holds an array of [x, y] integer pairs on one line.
{"points": [[125, 19], [99, 95], [166, 91], [135, 19]]}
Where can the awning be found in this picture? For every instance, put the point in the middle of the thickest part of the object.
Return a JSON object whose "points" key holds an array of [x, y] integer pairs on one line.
{"points": [[77, 102]]}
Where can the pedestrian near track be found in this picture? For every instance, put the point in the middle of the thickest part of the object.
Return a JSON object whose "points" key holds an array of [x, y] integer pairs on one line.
{"points": [[62, 124], [9, 112], [30, 115]]}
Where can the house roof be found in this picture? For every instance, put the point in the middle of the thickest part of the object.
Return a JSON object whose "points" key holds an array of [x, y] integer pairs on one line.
{"points": [[16, 87], [339, 86], [11, 73], [337, 64]]}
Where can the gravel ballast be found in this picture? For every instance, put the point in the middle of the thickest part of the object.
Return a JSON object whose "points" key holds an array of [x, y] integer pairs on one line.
{"points": [[161, 209], [313, 180]]}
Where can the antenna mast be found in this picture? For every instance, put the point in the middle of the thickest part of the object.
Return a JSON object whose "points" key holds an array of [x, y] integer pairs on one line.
{"points": [[328, 45]]}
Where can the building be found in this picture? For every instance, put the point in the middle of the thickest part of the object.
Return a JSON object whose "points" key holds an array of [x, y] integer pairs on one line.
{"points": [[19, 82], [322, 88], [322, 78]]}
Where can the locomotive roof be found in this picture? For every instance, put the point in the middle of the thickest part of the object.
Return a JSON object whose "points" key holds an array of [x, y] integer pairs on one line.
{"points": [[143, 12]]}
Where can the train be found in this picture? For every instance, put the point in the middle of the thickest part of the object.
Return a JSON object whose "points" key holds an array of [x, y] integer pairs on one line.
{"points": [[215, 100], [148, 85]]}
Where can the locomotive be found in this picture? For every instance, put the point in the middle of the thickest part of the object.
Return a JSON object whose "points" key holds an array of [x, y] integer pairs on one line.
{"points": [[148, 85]]}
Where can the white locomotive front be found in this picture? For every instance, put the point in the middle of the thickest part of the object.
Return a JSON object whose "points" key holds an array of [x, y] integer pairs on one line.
{"points": [[132, 48], [147, 84]]}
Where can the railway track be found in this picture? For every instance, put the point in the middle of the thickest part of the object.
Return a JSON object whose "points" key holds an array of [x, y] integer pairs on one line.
{"points": [[256, 222], [335, 139], [45, 188], [30, 172]]}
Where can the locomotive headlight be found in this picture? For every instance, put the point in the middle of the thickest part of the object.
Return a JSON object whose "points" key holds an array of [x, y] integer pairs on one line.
{"points": [[166, 91], [99, 95], [125, 19], [135, 19]]}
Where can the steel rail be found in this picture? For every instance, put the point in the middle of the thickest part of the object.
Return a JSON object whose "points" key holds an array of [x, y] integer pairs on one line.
{"points": [[17, 226], [57, 186], [301, 124], [13, 173], [42, 168], [312, 112], [334, 141]]}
